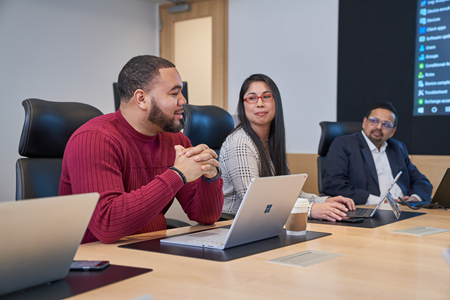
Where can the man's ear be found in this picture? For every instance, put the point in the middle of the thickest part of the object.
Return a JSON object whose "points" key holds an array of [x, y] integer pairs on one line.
{"points": [[393, 131], [142, 99], [364, 122]]}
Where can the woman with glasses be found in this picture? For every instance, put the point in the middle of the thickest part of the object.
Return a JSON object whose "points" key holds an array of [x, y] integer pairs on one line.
{"points": [[257, 148]]}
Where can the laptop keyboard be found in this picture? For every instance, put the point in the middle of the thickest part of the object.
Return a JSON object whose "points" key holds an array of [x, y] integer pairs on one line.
{"points": [[360, 213], [215, 239]]}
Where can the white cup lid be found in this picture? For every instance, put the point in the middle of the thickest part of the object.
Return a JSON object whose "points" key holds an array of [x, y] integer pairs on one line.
{"points": [[301, 202]]}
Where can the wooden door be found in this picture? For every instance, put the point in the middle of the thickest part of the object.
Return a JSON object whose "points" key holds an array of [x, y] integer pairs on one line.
{"points": [[215, 12]]}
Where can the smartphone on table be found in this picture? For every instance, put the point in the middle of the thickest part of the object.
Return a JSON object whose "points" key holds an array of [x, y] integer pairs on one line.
{"points": [[89, 265]]}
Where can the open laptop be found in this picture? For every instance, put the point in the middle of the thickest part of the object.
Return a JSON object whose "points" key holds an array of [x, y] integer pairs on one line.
{"points": [[440, 198], [263, 212], [39, 238], [370, 212]]}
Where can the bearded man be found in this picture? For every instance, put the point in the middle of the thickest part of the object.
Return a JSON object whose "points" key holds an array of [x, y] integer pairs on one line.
{"points": [[362, 165], [138, 160]]}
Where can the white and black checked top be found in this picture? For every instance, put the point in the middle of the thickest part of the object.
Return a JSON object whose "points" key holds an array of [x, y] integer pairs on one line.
{"points": [[240, 162]]}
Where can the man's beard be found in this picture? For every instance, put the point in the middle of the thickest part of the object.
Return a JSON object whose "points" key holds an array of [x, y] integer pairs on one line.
{"points": [[376, 139], [159, 118]]}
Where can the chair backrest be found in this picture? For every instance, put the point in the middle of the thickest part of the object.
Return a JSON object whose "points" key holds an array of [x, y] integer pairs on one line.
{"points": [[116, 96], [47, 128], [331, 130], [207, 124], [185, 92]]}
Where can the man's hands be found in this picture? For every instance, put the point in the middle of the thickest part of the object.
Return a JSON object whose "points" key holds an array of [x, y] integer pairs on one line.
{"points": [[333, 209], [196, 161], [408, 199]]}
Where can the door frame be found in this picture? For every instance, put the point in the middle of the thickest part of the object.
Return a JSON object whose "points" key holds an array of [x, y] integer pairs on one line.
{"points": [[218, 10]]}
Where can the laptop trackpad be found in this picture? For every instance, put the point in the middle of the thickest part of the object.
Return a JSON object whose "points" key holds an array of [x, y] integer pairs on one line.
{"points": [[202, 234], [188, 237]]}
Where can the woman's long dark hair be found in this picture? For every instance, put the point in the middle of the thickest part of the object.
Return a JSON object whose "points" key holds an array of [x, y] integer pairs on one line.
{"points": [[277, 135]]}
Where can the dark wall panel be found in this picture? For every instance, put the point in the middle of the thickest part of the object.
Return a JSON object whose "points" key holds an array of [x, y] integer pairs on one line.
{"points": [[376, 63]]}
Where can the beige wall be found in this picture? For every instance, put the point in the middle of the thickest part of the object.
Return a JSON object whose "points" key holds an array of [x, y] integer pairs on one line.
{"points": [[305, 163], [432, 166]]}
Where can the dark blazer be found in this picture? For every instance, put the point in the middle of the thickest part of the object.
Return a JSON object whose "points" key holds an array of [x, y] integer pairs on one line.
{"points": [[349, 170]]}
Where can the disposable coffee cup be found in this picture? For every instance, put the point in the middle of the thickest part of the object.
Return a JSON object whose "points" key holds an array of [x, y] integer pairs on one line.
{"points": [[298, 219]]}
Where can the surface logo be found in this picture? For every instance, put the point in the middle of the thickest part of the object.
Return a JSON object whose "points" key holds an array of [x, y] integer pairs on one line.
{"points": [[268, 208]]}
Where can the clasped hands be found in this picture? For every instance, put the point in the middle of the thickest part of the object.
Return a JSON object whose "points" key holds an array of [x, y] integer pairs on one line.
{"points": [[196, 161], [333, 209]]}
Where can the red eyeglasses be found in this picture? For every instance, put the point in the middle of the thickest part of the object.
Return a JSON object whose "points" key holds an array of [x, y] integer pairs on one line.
{"points": [[264, 97]]}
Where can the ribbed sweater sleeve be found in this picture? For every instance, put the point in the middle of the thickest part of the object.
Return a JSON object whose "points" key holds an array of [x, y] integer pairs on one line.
{"points": [[130, 171]]}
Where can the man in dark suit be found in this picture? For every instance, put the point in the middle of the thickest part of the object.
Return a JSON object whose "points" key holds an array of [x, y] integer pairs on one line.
{"points": [[362, 165]]}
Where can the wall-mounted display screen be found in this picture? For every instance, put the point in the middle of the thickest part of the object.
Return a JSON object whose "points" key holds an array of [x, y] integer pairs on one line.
{"points": [[432, 67]]}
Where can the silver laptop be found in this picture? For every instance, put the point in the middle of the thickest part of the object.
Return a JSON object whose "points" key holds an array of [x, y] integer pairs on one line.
{"points": [[369, 212], [39, 238], [263, 212]]}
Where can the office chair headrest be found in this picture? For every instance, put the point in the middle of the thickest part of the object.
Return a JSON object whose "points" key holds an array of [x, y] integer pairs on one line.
{"points": [[48, 126], [331, 130], [207, 124]]}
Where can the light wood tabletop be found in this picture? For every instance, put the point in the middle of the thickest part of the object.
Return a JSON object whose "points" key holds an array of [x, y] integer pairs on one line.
{"points": [[375, 264]]}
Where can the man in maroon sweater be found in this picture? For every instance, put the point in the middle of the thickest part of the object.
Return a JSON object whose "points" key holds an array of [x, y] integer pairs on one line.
{"points": [[138, 160]]}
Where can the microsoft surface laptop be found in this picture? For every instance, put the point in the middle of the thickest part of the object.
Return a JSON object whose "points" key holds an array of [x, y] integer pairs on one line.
{"points": [[441, 197], [369, 212], [263, 212], [39, 238]]}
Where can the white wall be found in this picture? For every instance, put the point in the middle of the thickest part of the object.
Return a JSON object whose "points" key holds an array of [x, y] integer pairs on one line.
{"points": [[64, 51], [295, 43], [73, 50]]}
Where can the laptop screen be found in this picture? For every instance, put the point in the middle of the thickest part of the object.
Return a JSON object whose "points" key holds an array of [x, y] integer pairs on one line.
{"points": [[385, 194]]}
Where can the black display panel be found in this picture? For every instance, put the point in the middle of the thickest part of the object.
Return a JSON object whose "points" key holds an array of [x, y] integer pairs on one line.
{"points": [[432, 65], [377, 61]]}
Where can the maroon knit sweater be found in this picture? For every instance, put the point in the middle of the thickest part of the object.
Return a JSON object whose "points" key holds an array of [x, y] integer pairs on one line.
{"points": [[130, 171]]}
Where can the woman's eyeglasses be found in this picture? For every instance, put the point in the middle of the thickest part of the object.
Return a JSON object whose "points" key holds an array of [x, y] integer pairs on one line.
{"points": [[253, 98], [385, 124]]}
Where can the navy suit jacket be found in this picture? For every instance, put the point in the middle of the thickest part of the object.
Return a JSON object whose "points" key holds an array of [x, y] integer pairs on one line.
{"points": [[349, 170]]}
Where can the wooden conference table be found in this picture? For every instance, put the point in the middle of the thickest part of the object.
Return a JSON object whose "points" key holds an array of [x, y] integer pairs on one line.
{"points": [[376, 264]]}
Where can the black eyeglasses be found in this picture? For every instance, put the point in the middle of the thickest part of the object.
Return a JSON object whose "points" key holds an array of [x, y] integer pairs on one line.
{"points": [[385, 124], [264, 97]]}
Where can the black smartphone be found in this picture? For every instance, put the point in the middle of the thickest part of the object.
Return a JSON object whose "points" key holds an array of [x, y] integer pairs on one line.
{"points": [[89, 265], [352, 220]]}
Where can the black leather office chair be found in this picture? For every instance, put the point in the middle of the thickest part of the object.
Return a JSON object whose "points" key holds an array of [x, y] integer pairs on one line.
{"points": [[210, 125], [47, 128], [116, 96], [331, 130], [207, 124]]}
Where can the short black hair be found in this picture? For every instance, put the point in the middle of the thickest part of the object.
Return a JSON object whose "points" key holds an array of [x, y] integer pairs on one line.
{"points": [[140, 73], [384, 105]]}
